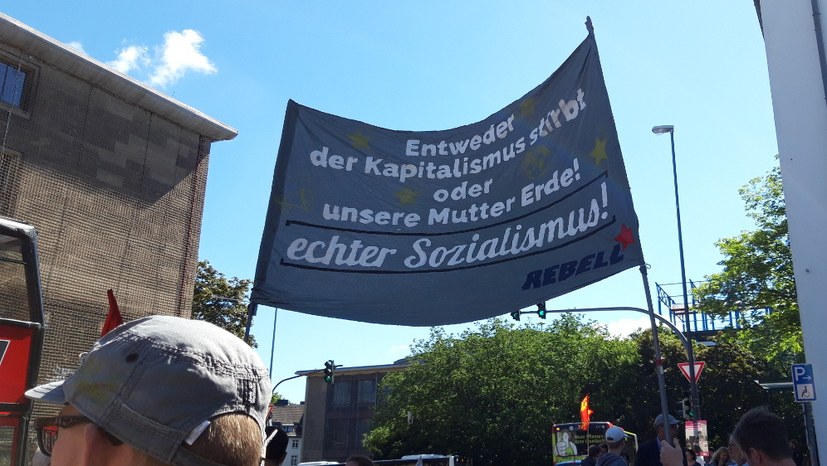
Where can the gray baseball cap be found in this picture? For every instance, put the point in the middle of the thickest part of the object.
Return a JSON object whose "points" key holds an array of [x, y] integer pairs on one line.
{"points": [[156, 381]]}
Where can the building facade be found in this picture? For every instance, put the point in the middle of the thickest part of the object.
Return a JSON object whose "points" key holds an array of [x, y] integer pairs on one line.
{"points": [[339, 414], [290, 417], [112, 174]]}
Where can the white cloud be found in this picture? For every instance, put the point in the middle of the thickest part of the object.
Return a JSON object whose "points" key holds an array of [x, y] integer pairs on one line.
{"points": [[77, 46], [179, 54], [624, 327], [131, 58]]}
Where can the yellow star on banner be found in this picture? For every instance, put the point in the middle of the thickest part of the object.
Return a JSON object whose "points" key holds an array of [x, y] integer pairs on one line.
{"points": [[359, 141], [527, 107], [406, 196], [599, 151], [533, 164]]}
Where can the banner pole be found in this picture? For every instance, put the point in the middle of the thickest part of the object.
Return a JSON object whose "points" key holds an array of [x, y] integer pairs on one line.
{"points": [[664, 405]]}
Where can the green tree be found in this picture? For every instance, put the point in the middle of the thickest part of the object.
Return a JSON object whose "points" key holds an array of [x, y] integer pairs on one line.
{"points": [[493, 392], [221, 301], [758, 274]]}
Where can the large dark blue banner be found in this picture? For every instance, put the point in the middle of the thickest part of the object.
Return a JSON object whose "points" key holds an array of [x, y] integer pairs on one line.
{"points": [[440, 227]]}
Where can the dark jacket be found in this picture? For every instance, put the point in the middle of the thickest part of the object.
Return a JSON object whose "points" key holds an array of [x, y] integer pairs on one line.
{"points": [[648, 454], [587, 461], [611, 459]]}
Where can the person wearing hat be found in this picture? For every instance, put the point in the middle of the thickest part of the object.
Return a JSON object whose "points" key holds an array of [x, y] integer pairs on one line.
{"points": [[648, 454], [616, 441], [160, 390], [760, 437]]}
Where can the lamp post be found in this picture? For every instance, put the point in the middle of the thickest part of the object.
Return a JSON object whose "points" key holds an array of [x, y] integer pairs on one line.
{"points": [[693, 384]]}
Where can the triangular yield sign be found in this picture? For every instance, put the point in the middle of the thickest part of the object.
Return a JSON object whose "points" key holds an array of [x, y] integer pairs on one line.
{"points": [[699, 367]]}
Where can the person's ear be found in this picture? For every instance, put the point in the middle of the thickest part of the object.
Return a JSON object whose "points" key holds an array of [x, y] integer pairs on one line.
{"points": [[755, 457]]}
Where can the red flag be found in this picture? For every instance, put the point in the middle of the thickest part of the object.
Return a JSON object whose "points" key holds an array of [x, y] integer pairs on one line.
{"points": [[585, 413], [113, 317]]}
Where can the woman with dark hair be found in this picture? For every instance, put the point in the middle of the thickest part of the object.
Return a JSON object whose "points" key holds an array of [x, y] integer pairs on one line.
{"points": [[691, 457]]}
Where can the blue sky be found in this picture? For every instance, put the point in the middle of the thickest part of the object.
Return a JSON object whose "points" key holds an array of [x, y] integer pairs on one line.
{"points": [[432, 64]]}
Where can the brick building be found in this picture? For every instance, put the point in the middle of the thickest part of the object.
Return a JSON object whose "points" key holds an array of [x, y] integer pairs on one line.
{"points": [[112, 174], [338, 415]]}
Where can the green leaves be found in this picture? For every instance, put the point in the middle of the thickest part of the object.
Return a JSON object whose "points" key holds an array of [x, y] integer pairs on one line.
{"points": [[758, 274], [221, 301], [493, 392]]}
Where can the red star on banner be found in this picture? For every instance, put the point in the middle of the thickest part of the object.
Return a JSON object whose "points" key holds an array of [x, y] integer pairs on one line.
{"points": [[625, 238]]}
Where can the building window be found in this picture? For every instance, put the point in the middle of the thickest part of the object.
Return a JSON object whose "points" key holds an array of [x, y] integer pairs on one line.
{"points": [[295, 443], [15, 84], [341, 394], [294, 460], [367, 392]]}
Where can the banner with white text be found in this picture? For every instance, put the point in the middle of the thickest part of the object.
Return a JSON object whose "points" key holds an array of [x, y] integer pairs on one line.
{"points": [[439, 227]]}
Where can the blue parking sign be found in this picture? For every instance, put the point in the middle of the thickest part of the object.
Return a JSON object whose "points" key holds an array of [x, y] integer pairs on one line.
{"points": [[804, 384]]}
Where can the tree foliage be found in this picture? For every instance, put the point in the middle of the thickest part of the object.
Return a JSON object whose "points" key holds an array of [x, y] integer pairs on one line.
{"points": [[221, 301], [757, 274], [494, 392]]}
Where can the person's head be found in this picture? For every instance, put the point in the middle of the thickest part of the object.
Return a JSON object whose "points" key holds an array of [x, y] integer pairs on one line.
{"points": [[276, 449], [670, 422], [691, 457], [762, 437], [615, 438], [358, 460], [594, 451], [735, 452], [604, 448], [159, 390], [721, 456]]}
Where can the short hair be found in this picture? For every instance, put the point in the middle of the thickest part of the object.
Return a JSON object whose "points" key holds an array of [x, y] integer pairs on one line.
{"points": [[761, 430], [277, 447], [691, 452], [594, 450], [361, 460], [232, 439]]}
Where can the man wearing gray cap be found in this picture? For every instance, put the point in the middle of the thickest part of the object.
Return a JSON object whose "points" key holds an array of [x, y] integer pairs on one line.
{"points": [[648, 454], [159, 390]]}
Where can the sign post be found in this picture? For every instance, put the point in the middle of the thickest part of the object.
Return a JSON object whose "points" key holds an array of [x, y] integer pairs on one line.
{"points": [[804, 385], [699, 367]]}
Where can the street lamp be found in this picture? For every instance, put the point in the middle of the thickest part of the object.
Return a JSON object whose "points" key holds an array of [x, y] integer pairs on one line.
{"points": [[693, 384]]}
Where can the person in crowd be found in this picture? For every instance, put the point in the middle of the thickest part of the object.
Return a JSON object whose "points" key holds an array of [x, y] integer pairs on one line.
{"points": [[160, 390], [275, 446], [648, 454], [691, 457], [735, 453], [591, 458], [721, 458], [616, 441], [699, 454], [760, 438], [358, 460], [603, 449]]}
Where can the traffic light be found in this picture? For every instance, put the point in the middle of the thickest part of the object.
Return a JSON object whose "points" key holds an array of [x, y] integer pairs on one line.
{"points": [[541, 310], [516, 315], [686, 409], [329, 368]]}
